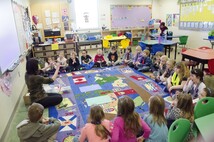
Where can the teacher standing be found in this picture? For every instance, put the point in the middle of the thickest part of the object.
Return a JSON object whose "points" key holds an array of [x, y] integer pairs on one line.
{"points": [[35, 85]]}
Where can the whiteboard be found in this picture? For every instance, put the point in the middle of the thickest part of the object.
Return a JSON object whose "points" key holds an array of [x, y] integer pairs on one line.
{"points": [[9, 44], [130, 16], [22, 21]]}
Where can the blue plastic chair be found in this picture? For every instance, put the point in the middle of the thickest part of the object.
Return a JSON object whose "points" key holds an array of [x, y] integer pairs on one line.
{"points": [[156, 48], [142, 45]]}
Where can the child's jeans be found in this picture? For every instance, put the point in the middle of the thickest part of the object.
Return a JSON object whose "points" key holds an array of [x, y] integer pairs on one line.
{"points": [[88, 66]]}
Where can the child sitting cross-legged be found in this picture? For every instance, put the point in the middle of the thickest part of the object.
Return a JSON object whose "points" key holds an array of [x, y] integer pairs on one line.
{"points": [[182, 107], [145, 62], [161, 69], [73, 62], [62, 61], [156, 61], [137, 58], [87, 61], [128, 126], [50, 66], [169, 71], [113, 57], [127, 57], [98, 130], [178, 79], [195, 84], [37, 128], [156, 120], [99, 60], [206, 92]]}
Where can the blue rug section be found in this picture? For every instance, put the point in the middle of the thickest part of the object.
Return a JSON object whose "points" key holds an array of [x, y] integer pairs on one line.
{"points": [[112, 83]]}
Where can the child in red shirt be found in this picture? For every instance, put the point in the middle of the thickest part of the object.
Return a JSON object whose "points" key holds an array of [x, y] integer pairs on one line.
{"points": [[99, 60]]}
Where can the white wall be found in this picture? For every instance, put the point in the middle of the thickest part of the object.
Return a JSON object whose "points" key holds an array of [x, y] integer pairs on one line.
{"points": [[195, 39], [159, 10], [8, 103]]}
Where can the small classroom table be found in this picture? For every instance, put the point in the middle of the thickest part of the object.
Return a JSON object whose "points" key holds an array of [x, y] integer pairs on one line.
{"points": [[115, 39], [199, 55], [166, 43], [205, 125]]}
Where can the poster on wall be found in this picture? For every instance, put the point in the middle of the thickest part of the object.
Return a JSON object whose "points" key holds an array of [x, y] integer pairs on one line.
{"points": [[175, 22], [169, 20], [5, 84]]}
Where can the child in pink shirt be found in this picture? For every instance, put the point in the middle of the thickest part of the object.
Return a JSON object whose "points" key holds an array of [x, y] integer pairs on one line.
{"points": [[128, 126], [99, 128]]}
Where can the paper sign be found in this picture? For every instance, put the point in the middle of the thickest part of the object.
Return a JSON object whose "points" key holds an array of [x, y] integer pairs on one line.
{"points": [[47, 13], [48, 21], [55, 46], [39, 26], [55, 14]]}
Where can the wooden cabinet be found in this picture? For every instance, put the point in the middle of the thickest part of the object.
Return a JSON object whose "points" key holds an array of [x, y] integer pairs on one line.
{"points": [[89, 45], [43, 51]]}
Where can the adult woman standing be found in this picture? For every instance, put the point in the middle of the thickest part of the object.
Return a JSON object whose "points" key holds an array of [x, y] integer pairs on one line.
{"points": [[35, 85]]}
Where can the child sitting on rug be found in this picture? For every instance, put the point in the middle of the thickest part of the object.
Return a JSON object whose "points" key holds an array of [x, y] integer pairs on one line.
{"points": [[50, 66], [156, 120], [206, 92], [156, 61], [182, 107], [98, 130], [161, 69], [178, 79], [62, 61], [87, 61], [195, 84], [137, 58], [169, 71], [73, 63], [99, 60], [127, 57], [128, 126], [113, 57], [145, 62], [37, 128]]}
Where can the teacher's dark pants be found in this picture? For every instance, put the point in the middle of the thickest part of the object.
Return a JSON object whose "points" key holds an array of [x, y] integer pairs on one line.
{"points": [[51, 100]]}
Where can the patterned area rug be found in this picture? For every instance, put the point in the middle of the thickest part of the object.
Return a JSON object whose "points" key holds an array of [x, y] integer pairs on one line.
{"points": [[101, 87]]}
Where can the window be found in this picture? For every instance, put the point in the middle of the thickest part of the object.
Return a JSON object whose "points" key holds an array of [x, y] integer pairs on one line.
{"points": [[86, 14]]}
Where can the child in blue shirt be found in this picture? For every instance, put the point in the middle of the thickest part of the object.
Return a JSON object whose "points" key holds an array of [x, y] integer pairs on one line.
{"points": [[145, 63], [156, 120]]}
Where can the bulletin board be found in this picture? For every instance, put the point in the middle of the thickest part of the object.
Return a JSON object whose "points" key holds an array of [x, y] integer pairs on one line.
{"points": [[23, 26], [197, 14], [130, 16]]}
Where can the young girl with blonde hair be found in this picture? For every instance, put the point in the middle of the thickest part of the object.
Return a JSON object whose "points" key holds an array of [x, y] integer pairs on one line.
{"points": [[156, 120], [128, 126], [179, 77], [99, 128]]}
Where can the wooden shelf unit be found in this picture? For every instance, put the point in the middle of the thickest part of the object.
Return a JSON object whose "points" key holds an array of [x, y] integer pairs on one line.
{"points": [[44, 51], [89, 45]]}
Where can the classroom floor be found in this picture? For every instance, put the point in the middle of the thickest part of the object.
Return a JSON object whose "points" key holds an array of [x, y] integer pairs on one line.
{"points": [[21, 111]]}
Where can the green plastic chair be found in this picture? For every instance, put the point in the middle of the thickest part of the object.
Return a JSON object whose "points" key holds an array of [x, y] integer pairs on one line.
{"points": [[179, 130], [204, 107], [183, 41]]}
